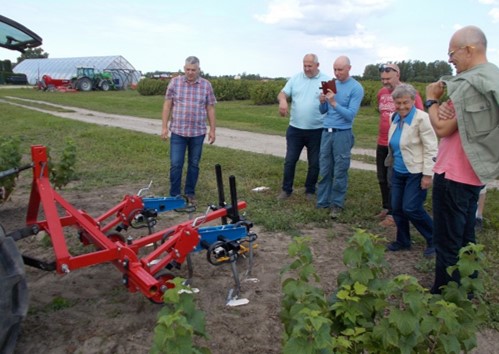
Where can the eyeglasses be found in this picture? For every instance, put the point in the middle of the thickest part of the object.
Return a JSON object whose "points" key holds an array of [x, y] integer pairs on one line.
{"points": [[386, 69], [451, 53]]}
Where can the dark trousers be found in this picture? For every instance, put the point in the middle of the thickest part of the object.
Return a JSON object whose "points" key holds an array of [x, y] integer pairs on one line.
{"points": [[454, 208], [408, 206], [296, 140], [383, 174]]}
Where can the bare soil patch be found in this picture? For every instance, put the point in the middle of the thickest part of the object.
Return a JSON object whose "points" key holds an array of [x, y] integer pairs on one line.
{"points": [[89, 311]]}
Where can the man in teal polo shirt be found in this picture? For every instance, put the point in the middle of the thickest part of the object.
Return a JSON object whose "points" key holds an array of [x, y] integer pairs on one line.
{"points": [[305, 124]]}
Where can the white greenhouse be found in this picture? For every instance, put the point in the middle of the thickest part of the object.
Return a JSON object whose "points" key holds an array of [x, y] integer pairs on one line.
{"points": [[124, 74]]}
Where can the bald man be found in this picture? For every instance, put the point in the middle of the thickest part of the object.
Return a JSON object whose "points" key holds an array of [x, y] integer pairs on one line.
{"points": [[337, 137], [468, 154]]}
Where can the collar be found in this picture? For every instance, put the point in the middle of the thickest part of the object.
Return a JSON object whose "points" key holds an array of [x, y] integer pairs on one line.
{"points": [[408, 119]]}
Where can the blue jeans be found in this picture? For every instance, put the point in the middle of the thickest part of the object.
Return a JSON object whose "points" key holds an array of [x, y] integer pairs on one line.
{"points": [[454, 209], [407, 205], [296, 140], [334, 163], [178, 146]]}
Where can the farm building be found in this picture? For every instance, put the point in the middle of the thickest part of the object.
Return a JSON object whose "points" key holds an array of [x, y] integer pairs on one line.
{"points": [[124, 74]]}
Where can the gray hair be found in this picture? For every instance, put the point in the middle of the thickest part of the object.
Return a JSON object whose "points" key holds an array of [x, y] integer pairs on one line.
{"points": [[192, 60], [404, 90], [315, 58]]}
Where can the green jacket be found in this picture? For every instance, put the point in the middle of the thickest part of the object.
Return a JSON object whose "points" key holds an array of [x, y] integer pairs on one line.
{"points": [[475, 95]]}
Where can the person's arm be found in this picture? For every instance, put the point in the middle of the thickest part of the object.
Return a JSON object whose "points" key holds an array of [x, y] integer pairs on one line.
{"points": [[210, 110], [444, 123], [430, 147], [354, 103], [167, 107], [283, 104]]}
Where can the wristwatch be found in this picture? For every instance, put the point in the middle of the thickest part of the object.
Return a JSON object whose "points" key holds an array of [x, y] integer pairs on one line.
{"points": [[429, 103]]}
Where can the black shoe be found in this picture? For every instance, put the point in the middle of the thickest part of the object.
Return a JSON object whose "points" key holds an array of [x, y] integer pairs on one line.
{"points": [[395, 246]]}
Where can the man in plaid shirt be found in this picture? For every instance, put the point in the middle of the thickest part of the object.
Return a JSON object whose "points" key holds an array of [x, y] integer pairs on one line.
{"points": [[189, 101]]}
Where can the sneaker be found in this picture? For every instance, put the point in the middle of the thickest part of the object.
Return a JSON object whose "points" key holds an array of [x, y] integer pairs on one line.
{"points": [[478, 224], [387, 222], [395, 246], [382, 214], [429, 252], [335, 212], [191, 200], [283, 195], [310, 196]]}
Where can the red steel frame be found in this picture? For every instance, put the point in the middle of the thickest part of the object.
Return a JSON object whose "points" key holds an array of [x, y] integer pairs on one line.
{"points": [[138, 271]]}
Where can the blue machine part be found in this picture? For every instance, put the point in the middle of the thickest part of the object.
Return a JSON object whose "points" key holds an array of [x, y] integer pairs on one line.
{"points": [[163, 204], [230, 232]]}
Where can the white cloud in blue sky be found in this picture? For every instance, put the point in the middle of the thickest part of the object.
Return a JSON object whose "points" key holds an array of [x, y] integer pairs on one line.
{"points": [[266, 37]]}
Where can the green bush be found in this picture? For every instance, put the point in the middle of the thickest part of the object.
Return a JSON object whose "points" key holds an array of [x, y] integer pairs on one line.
{"points": [[266, 92], [10, 157], [369, 313], [152, 87]]}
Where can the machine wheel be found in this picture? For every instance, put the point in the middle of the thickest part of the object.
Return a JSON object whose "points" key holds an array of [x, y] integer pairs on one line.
{"points": [[13, 293], [84, 84], [105, 86], [164, 278]]}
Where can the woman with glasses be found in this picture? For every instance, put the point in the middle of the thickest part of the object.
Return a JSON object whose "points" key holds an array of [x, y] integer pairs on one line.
{"points": [[413, 147]]}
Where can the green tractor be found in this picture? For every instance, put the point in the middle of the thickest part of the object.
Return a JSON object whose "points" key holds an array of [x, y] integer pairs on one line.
{"points": [[88, 79]]}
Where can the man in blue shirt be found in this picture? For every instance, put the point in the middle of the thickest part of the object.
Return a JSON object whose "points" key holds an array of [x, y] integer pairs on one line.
{"points": [[305, 124], [337, 137]]}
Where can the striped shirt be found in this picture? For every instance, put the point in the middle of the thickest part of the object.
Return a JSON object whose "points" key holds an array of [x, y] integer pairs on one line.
{"points": [[189, 101]]}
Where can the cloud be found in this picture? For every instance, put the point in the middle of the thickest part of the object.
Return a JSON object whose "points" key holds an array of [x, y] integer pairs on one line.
{"points": [[314, 17], [494, 13], [358, 40]]}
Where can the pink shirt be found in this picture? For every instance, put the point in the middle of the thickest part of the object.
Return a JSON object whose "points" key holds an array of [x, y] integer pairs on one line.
{"points": [[452, 161]]}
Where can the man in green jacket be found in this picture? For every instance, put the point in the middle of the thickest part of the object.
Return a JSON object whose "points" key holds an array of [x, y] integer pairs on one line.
{"points": [[468, 154]]}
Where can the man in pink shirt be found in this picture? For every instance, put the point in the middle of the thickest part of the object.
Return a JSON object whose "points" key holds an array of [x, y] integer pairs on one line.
{"points": [[468, 154], [390, 78]]}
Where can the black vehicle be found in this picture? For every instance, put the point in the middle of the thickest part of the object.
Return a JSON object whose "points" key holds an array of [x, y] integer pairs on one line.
{"points": [[13, 289]]}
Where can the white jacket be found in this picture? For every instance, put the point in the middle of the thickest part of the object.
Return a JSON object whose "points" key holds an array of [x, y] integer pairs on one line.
{"points": [[418, 144]]}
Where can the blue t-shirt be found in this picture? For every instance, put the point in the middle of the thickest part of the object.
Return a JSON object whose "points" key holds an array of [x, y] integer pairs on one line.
{"points": [[348, 99], [304, 93]]}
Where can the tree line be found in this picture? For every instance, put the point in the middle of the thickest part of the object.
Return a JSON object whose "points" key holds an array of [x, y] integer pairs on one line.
{"points": [[412, 71]]}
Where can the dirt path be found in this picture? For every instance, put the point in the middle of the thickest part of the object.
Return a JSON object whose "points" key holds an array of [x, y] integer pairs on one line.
{"points": [[235, 139]]}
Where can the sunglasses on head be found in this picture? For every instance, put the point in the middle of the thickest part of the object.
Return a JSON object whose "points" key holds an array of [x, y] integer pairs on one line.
{"points": [[386, 69]]}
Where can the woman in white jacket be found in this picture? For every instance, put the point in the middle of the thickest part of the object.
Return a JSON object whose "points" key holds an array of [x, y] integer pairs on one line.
{"points": [[413, 148]]}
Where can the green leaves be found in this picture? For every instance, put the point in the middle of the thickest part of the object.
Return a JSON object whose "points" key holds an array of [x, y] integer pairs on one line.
{"points": [[179, 322], [371, 314]]}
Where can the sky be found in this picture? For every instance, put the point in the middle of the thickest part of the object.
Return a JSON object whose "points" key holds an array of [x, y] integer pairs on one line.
{"points": [[262, 37]]}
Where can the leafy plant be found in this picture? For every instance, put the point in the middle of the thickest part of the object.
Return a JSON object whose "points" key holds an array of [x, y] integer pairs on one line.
{"points": [[370, 313], [10, 157], [62, 172], [179, 322]]}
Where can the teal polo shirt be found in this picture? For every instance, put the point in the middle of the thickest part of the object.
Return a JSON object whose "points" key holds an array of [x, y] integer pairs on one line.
{"points": [[304, 93]]}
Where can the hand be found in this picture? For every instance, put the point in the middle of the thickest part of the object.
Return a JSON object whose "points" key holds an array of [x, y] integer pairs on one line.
{"points": [[283, 108], [426, 182], [446, 110], [164, 134], [330, 96], [435, 90], [322, 98], [211, 136]]}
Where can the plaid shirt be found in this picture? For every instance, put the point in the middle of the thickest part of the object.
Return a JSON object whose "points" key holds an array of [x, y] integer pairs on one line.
{"points": [[189, 102]]}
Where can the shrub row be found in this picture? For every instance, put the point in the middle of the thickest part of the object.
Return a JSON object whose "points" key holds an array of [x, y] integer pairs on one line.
{"points": [[260, 92]]}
